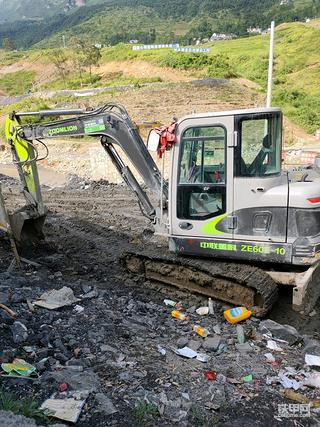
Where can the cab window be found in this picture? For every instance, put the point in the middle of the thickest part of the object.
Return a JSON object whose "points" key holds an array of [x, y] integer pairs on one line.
{"points": [[201, 181], [259, 151]]}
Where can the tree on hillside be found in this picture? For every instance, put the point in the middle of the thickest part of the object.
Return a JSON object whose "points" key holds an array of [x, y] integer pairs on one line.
{"points": [[84, 55], [7, 44], [60, 60]]}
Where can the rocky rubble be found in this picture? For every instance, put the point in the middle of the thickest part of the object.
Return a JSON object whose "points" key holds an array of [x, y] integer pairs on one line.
{"points": [[111, 349], [118, 342]]}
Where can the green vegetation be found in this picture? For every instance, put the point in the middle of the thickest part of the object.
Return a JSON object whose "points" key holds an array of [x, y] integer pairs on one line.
{"points": [[218, 65], [17, 83], [144, 411], [27, 407], [296, 69]]}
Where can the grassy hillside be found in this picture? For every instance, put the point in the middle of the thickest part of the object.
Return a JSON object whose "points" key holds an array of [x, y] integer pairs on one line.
{"points": [[296, 69]]}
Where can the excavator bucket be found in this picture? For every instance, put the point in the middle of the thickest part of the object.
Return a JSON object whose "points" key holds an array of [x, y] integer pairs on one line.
{"points": [[27, 222]]}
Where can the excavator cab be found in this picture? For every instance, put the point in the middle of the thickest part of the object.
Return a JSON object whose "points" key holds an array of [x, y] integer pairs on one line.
{"points": [[228, 193]]}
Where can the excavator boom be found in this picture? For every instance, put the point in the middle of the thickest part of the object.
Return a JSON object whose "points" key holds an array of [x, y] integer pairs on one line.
{"points": [[111, 123]]}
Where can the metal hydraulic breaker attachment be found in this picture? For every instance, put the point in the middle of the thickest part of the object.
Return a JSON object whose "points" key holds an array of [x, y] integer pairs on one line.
{"points": [[26, 222]]}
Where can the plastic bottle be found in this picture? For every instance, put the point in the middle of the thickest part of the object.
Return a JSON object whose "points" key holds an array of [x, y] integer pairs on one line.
{"points": [[240, 334], [237, 314], [200, 331], [178, 315], [210, 306]]}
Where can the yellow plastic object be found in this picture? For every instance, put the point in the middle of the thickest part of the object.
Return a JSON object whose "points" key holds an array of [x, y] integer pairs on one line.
{"points": [[236, 315], [178, 315], [200, 331]]}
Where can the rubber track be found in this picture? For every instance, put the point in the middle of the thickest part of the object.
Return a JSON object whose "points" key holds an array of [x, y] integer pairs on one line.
{"points": [[242, 274]]}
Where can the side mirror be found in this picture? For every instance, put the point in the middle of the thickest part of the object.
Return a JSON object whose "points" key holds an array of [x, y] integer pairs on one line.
{"points": [[153, 141]]}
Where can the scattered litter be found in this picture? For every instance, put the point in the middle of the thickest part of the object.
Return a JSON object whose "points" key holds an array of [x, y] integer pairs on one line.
{"points": [[178, 315], [247, 378], [185, 352], [78, 309], [66, 406], [204, 358], [63, 387], [170, 303], [200, 331], [202, 311], [240, 334], [312, 360], [273, 346], [210, 375], [297, 397], [210, 306], [287, 382], [270, 357], [161, 350], [56, 298], [312, 380], [20, 367], [235, 315]]}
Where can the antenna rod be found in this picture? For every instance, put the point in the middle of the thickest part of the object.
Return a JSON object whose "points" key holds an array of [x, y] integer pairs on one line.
{"points": [[269, 92]]}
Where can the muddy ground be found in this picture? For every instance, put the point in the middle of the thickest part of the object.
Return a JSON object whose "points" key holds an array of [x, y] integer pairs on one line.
{"points": [[89, 226]]}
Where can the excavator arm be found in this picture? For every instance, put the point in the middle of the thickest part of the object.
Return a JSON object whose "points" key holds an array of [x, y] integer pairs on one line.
{"points": [[112, 125]]}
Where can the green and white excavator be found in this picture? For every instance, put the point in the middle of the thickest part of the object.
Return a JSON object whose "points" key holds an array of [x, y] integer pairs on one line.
{"points": [[236, 224]]}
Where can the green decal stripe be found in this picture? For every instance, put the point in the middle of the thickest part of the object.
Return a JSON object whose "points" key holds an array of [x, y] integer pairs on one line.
{"points": [[94, 128], [211, 226]]}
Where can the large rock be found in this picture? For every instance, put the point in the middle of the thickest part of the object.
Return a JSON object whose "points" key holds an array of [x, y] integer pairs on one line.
{"points": [[311, 347], [9, 419], [284, 332], [19, 332], [212, 343]]}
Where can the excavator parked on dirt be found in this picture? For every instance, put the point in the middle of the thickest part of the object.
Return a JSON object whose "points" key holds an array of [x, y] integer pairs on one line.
{"points": [[236, 223]]}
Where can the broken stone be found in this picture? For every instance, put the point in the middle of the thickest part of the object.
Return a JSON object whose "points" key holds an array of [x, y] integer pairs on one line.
{"points": [[182, 342], [194, 345], [105, 404], [91, 294], [107, 348], [212, 343], [19, 332], [284, 332], [244, 348]]}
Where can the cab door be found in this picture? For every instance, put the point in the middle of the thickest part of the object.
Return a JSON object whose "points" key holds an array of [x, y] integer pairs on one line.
{"points": [[202, 178], [260, 188]]}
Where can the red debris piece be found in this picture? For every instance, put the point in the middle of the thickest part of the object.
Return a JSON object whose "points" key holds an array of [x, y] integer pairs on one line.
{"points": [[63, 387], [210, 375]]}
